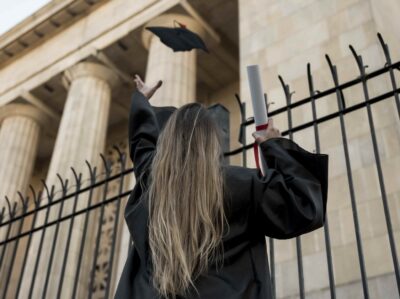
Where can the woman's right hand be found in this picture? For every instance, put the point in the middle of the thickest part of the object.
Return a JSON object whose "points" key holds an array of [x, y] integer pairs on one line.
{"points": [[269, 132], [147, 91]]}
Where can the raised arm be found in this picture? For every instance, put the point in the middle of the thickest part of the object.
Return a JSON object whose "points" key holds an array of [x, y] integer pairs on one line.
{"points": [[143, 132], [143, 126]]}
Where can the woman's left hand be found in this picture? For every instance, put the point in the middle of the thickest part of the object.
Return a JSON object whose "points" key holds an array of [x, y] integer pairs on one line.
{"points": [[144, 89], [269, 132]]}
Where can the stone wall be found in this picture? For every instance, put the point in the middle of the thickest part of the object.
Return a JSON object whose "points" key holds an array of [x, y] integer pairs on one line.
{"points": [[282, 36]]}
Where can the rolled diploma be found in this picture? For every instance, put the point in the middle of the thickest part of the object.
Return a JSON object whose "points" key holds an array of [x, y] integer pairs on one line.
{"points": [[259, 107]]}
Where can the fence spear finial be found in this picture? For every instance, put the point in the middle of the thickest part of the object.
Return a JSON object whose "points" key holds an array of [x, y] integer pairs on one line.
{"points": [[106, 163], [359, 61], [24, 201]]}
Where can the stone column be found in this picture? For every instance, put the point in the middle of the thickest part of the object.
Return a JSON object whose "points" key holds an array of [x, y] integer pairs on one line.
{"points": [[81, 136], [83, 126], [19, 138], [176, 69]]}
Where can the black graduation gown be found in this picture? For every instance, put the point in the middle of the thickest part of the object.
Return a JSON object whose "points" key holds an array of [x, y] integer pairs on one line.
{"points": [[288, 201]]}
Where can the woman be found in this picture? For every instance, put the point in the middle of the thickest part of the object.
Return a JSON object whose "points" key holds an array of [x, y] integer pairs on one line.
{"points": [[199, 226]]}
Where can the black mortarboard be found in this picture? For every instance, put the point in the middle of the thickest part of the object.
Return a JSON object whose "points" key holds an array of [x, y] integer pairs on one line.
{"points": [[179, 38]]}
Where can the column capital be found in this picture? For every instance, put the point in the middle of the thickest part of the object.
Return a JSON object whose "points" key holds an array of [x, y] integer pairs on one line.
{"points": [[27, 110], [90, 69], [167, 20]]}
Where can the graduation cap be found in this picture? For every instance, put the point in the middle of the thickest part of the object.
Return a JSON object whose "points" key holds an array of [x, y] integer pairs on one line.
{"points": [[178, 38]]}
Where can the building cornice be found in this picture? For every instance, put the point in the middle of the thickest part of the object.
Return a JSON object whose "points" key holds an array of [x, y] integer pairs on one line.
{"points": [[49, 19]]}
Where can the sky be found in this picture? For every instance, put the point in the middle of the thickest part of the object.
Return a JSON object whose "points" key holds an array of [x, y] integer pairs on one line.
{"points": [[14, 11]]}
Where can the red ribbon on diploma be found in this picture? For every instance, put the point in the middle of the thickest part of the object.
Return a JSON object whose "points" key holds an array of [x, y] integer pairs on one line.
{"points": [[258, 128]]}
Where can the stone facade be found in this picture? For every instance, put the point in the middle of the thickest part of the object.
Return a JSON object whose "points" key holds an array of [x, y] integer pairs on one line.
{"points": [[86, 114], [282, 36]]}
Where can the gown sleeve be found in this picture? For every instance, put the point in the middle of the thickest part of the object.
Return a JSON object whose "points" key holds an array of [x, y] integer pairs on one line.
{"points": [[146, 122], [290, 199], [143, 133]]}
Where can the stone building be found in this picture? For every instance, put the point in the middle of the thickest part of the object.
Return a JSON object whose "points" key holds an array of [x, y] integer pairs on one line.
{"points": [[65, 84]]}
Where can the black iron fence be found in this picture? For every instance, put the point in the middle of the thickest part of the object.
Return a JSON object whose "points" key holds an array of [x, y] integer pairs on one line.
{"points": [[101, 218]]}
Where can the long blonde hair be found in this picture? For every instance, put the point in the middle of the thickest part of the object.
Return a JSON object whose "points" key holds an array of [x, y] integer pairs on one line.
{"points": [[186, 208]]}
